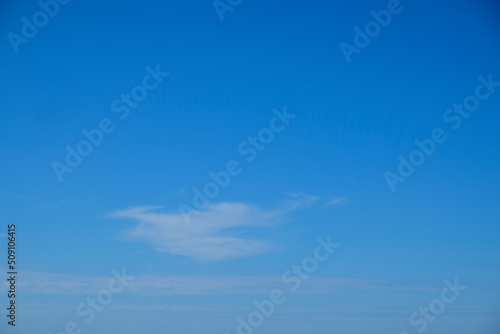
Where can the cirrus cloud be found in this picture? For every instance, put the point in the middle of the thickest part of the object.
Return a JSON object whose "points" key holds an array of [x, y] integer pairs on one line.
{"points": [[217, 233]]}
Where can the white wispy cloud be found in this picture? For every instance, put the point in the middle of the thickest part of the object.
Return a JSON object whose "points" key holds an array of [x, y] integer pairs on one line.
{"points": [[337, 201], [51, 206], [216, 233]]}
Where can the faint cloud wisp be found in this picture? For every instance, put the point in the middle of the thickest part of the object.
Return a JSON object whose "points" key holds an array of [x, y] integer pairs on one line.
{"points": [[216, 233]]}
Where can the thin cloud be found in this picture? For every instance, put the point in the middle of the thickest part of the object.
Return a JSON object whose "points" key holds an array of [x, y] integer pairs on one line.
{"points": [[43, 283], [51, 206], [216, 233], [337, 201]]}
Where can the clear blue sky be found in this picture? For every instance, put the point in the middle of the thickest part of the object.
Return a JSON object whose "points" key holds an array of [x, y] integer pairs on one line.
{"points": [[321, 175]]}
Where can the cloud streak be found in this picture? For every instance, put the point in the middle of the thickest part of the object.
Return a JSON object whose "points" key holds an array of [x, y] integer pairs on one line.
{"points": [[337, 201], [217, 233], [43, 283]]}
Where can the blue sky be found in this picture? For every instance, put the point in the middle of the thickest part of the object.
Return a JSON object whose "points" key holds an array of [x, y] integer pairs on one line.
{"points": [[321, 175]]}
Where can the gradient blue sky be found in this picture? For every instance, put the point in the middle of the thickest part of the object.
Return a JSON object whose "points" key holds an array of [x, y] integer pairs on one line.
{"points": [[323, 175]]}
